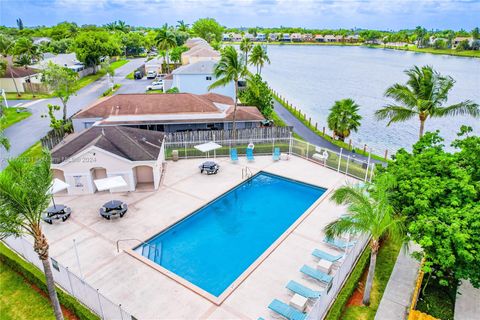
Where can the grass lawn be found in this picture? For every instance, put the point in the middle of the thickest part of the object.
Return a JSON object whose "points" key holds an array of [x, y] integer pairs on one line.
{"points": [[19, 300], [130, 75], [109, 91], [11, 116], [118, 63], [33, 153], [348, 306], [450, 52], [154, 91], [26, 96]]}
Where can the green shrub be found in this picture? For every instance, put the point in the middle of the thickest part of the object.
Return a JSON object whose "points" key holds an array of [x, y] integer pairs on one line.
{"points": [[350, 285], [33, 275]]}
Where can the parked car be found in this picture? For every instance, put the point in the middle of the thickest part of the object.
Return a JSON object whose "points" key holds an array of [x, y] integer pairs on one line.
{"points": [[161, 76], [138, 75], [156, 85], [152, 74]]}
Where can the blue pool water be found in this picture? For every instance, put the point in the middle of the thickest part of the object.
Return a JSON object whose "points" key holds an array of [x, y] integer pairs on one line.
{"points": [[213, 246]]}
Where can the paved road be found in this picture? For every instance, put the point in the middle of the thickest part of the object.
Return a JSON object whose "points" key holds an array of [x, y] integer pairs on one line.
{"points": [[308, 134], [25, 133]]}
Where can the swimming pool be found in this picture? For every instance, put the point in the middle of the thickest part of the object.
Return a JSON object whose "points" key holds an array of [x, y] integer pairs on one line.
{"points": [[214, 245]]}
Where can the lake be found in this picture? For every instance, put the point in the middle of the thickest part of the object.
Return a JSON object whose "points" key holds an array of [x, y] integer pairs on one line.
{"points": [[314, 77]]}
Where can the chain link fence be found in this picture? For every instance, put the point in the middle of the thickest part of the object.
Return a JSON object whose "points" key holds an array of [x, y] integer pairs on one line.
{"points": [[77, 287]]}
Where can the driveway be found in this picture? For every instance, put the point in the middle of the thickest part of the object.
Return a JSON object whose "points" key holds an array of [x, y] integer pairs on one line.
{"points": [[25, 133]]}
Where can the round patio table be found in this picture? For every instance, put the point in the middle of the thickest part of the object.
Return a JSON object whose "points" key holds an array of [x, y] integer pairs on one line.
{"points": [[57, 209], [57, 212], [113, 204]]}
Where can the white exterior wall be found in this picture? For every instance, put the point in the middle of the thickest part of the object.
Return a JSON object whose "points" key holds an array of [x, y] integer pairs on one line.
{"points": [[8, 86], [78, 170], [79, 123], [198, 84]]}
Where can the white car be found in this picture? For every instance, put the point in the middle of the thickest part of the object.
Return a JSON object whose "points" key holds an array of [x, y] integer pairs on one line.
{"points": [[152, 74], [156, 85]]}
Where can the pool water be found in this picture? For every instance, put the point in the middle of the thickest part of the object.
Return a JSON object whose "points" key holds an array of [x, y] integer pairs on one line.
{"points": [[213, 246]]}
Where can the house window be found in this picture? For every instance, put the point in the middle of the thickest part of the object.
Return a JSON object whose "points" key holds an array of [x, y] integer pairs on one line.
{"points": [[209, 78], [88, 124], [78, 181]]}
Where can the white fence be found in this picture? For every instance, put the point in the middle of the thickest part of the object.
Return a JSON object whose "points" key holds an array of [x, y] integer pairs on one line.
{"points": [[348, 163], [322, 305], [71, 283]]}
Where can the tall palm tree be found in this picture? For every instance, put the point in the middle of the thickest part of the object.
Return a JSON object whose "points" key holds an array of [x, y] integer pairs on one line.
{"points": [[230, 68], [423, 96], [166, 40], [6, 48], [344, 118], [23, 198], [245, 46], [369, 213], [182, 26], [259, 57], [25, 47]]}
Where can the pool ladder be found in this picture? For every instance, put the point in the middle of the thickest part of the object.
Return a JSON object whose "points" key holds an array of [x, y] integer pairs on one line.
{"points": [[151, 248], [246, 173]]}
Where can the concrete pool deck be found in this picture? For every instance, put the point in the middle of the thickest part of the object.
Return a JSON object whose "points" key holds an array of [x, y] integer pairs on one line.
{"points": [[148, 294]]}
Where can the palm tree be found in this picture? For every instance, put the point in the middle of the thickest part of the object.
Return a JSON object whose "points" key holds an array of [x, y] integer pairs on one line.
{"points": [[259, 57], [344, 118], [369, 213], [245, 46], [6, 47], [166, 40], [423, 95], [182, 26], [230, 68], [23, 198], [25, 47]]}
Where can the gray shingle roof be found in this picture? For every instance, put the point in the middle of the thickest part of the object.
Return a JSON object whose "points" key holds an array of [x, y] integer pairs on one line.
{"points": [[200, 67], [129, 143]]}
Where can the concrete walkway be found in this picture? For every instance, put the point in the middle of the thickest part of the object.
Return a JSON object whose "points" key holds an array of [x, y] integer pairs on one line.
{"points": [[467, 305], [398, 293], [307, 134]]}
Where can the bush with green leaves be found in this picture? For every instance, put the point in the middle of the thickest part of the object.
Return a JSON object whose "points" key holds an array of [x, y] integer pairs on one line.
{"points": [[258, 94], [438, 192]]}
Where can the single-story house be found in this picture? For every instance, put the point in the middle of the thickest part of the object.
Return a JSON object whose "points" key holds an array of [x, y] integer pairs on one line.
{"points": [[236, 37], [339, 38], [192, 42], [197, 77], [261, 37], [330, 38], [296, 37], [41, 40], [154, 64], [319, 38], [352, 38], [24, 79], [68, 60], [167, 112], [456, 41], [100, 152], [285, 37], [200, 53], [273, 36], [249, 36], [307, 37], [226, 37]]}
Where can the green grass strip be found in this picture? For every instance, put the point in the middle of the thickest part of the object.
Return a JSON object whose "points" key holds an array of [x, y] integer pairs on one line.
{"points": [[11, 116], [33, 275]]}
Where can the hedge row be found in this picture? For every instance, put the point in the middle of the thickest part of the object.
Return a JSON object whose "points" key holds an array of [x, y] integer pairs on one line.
{"points": [[36, 277], [350, 285]]}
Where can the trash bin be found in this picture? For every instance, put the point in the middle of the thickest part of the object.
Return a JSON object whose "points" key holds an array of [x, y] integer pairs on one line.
{"points": [[175, 155]]}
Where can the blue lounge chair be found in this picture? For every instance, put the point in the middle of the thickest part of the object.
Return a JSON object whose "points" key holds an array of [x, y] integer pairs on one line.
{"points": [[233, 155], [250, 154], [300, 289], [286, 311], [276, 154], [339, 243], [316, 274], [326, 256]]}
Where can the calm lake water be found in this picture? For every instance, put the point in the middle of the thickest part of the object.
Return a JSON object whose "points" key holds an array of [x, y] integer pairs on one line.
{"points": [[314, 77]]}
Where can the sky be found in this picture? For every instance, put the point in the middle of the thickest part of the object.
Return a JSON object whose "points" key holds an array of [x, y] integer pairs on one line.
{"points": [[373, 14]]}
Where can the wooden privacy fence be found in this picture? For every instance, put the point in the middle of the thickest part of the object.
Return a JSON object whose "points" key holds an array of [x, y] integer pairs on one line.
{"points": [[52, 138], [263, 133]]}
